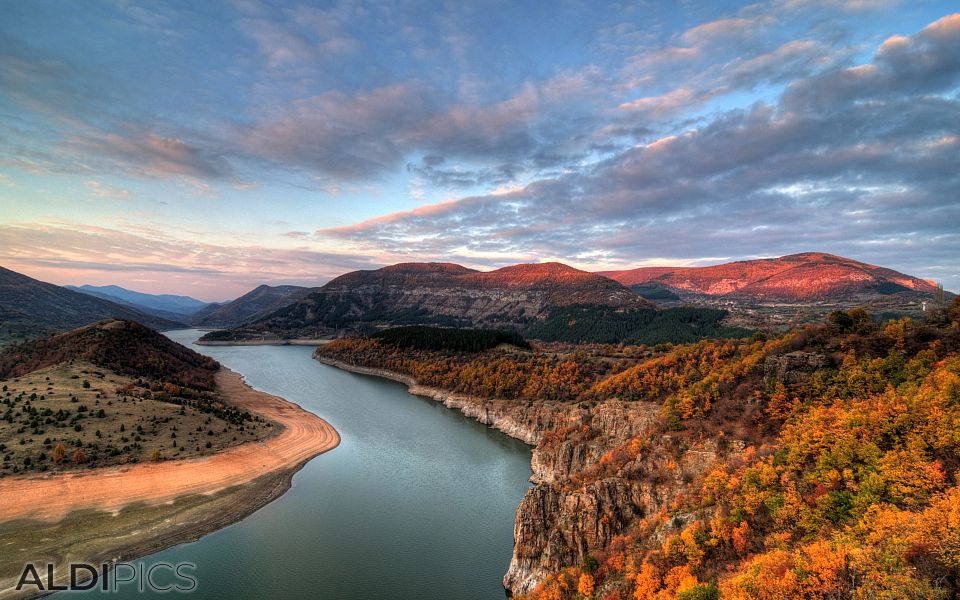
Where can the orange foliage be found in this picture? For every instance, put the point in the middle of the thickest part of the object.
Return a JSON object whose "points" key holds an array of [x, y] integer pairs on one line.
{"points": [[585, 585]]}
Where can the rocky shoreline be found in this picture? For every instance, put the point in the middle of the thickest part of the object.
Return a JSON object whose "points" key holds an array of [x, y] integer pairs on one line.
{"points": [[559, 522]]}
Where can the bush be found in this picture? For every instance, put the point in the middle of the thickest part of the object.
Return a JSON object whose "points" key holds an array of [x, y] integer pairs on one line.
{"points": [[703, 591]]}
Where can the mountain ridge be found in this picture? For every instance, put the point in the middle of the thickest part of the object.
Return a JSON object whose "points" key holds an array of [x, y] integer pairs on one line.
{"points": [[443, 294], [31, 308], [167, 306], [257, 303], [807, 276]]}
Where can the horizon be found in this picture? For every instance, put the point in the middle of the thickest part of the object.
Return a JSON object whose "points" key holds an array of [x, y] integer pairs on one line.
{"points": [[205, 150]]}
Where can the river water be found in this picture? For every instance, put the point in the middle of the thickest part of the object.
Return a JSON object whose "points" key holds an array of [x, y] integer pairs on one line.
{"points": [[416, 502]]}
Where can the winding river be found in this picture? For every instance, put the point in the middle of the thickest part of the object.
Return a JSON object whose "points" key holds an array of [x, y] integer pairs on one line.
{"points": [[416, 502]]}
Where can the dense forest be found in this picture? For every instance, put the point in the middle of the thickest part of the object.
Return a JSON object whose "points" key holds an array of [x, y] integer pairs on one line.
{"points": [[419, 337], [655, 291], [608, 325], [837, 464]]}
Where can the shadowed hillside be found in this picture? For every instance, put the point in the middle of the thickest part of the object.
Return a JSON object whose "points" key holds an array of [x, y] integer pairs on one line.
{"points": [[31, 308], [253, 305], [125, 347], [166, 306]]}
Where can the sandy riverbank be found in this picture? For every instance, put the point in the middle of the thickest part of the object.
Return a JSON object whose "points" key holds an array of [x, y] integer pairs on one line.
{"points": [[150, 506]]}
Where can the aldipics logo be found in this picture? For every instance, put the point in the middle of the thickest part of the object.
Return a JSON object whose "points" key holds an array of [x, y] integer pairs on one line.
{"points": [[108, 577]]}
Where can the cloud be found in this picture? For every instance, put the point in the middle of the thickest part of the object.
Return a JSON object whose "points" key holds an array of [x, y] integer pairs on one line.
{"points": [[364, 135], [927, 62], [105, 191], [153, 155], [849, 6], [68, 252], [792, 60], [657, 107], [854, 161], [348, 137], [726, 30]]}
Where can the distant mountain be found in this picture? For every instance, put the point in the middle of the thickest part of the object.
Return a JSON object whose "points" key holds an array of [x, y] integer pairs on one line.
{"points": [[440, 294], [30, 308], [797, 278], [253, 305], [167, 306]]}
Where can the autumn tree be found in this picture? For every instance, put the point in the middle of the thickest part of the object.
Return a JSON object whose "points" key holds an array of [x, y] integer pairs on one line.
{"points": [[59, 453], [585, 585]]}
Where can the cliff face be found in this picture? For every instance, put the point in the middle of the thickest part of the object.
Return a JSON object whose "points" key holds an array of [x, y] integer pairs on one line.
{"points": [[561, 519]]}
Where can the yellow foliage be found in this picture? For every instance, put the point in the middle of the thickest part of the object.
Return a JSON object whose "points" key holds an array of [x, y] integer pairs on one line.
{"points": [[585, 585], [647, 582]]}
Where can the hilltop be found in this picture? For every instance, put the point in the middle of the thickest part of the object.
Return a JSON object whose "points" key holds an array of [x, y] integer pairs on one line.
{"points": [[778, 293], [30, 308], [122, 346]]}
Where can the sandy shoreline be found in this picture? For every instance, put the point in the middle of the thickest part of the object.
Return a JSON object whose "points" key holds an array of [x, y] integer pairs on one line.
{"points": [[204, 494], [303, 436]]}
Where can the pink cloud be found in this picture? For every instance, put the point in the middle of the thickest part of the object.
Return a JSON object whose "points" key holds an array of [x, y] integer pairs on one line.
{"points": [[74, 253]]}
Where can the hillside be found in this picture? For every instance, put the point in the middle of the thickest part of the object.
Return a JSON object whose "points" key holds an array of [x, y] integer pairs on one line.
{"points": [[253, 305], [441, 294], [112, 393], [167, 306], [820, 464], [122, 346], [30, 308], [806, 277]]}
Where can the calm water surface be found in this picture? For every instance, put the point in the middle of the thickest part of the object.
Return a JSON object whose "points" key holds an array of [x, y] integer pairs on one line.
{"points": [[416, 502]]}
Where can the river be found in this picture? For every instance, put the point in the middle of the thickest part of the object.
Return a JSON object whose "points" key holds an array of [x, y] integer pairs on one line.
{"points": [[417, 501]]}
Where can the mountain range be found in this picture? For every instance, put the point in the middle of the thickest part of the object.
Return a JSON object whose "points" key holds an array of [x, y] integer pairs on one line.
{"points": [[546, 300], [167, 306], [30, 308], [441, 294]]}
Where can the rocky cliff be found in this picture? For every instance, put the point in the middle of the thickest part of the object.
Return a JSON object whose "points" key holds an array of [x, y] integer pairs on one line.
{"points": [[561, 520]]}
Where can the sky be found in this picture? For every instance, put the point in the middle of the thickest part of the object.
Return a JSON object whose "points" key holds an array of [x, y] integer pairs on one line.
{"points": [[204, 148]]}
